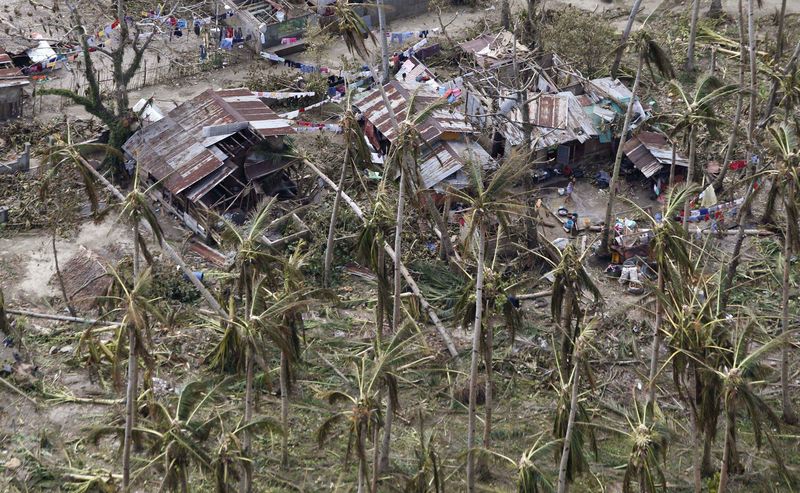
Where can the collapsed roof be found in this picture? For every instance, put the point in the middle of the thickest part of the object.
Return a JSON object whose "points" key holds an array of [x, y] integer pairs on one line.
{"points": [[565, 116], [445, 120], [491, 50], [190, 149], [650, 152]]}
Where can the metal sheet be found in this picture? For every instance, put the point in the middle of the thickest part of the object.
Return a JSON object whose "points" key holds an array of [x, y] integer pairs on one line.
{"points": [[400, 95], [650, 152], [176, 150]]}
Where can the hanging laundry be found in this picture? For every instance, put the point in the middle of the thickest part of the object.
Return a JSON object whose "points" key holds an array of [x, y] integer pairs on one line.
{"points": [[203, 53], [115, 24], [197, 28], [182, 24]]}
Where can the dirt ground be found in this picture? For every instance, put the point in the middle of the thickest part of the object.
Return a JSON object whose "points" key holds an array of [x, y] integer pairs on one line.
{"points": [[30, 256]]}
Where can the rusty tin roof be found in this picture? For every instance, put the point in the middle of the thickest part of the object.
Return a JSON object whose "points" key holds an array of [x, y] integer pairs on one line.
{"points": [[174, 149], [442, 120], [650, 152]]}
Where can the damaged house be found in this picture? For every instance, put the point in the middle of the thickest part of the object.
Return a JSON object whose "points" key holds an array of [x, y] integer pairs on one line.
{"points": [[446, 145], [569, 119], [574, 125], [221, 150]]}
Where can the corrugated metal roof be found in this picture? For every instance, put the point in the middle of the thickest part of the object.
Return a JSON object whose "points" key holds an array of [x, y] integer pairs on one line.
{"points": [[556, 119], [399, 94], [650, 152], [446, 159], [175, 150]]}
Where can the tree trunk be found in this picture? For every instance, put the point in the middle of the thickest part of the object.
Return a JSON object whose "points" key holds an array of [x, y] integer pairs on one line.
{"points": [[733, 265], [380, 309], [362, 465], [438, 222], [487, 405], [384, 46], [651, 391], [789, 415], [730, 423], [769, 205], [751, 37], [690, 172], [284, 383], [781, 22], [692, 36], [387, 436], [375, 460], [136, 264], [398, 239], [505, 15], [625, 33], [605, 240], [247, 481], [737, 117], [473, 367], [60, 277], [697, 454], [773, 93], [326, 277], [573, 406], [130, 407], [672, 168]]}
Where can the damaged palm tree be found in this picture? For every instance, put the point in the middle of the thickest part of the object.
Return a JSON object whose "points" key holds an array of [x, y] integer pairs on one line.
{"points": [[362, 412], [649, 54], [138, 314], [356, 154], [785, 142], [699, 113], [487, 204], [572, 424]]}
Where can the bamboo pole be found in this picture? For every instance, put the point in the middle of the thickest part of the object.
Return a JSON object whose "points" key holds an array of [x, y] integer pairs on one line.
{"points": [[443, 334], [62, 318]]}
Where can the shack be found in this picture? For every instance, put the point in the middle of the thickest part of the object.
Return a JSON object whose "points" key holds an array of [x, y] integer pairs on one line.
{"points": [[221, 150], [445, 133]]}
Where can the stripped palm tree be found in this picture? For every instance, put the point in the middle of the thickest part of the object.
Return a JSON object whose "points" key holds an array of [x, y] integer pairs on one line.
{"points": [[648, 437], [370, 251], [571, 282], [251, 269], [356, 154], [786, 145], [363, 413], [135, 209], [485, 205], [137, 313], [669, 246], [649, 54], [403, 160], [693, 328], [290, 301], [698, 112], [572, 424], [530, 477], [739, 382]]}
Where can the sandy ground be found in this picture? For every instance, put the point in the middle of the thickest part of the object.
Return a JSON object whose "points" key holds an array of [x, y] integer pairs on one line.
{"points": [[30, 255]]}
